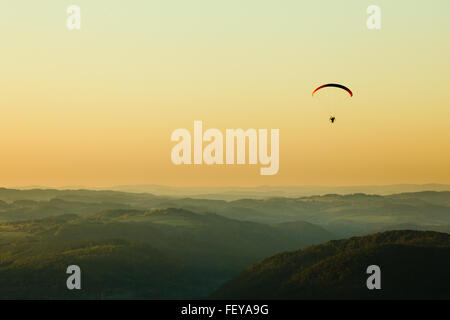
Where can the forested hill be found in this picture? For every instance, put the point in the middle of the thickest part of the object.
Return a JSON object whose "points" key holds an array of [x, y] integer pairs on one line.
{"points": [[414, 265], [124, 253], [343, 215]]}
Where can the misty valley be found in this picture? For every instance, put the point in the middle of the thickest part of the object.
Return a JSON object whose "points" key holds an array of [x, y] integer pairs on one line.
{"points": [[142, 246]]}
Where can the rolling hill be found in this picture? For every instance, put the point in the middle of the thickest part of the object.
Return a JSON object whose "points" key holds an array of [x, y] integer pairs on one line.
{"points": [[193, 246], [414, 265], [343, 215], [127, 253]]}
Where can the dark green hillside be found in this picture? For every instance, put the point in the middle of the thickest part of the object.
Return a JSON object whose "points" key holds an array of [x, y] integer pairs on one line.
{"points": [[125, 253], [414, 265], [110, 269]]}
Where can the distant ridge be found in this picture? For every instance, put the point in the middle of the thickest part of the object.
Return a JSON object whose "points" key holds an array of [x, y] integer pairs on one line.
{"points": [[259, 192]]}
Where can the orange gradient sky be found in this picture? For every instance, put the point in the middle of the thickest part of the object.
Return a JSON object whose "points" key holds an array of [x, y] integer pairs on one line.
{"points": [[96, 107]]}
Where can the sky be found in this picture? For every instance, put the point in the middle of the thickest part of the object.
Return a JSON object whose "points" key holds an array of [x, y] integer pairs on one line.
{"points": [[97, 106]]}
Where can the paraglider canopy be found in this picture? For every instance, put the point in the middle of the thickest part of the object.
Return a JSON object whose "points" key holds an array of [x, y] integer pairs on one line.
{"points": [[335, 85]]}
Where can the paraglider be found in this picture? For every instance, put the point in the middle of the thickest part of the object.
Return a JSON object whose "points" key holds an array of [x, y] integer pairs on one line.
{"points": [[332, 118]]}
